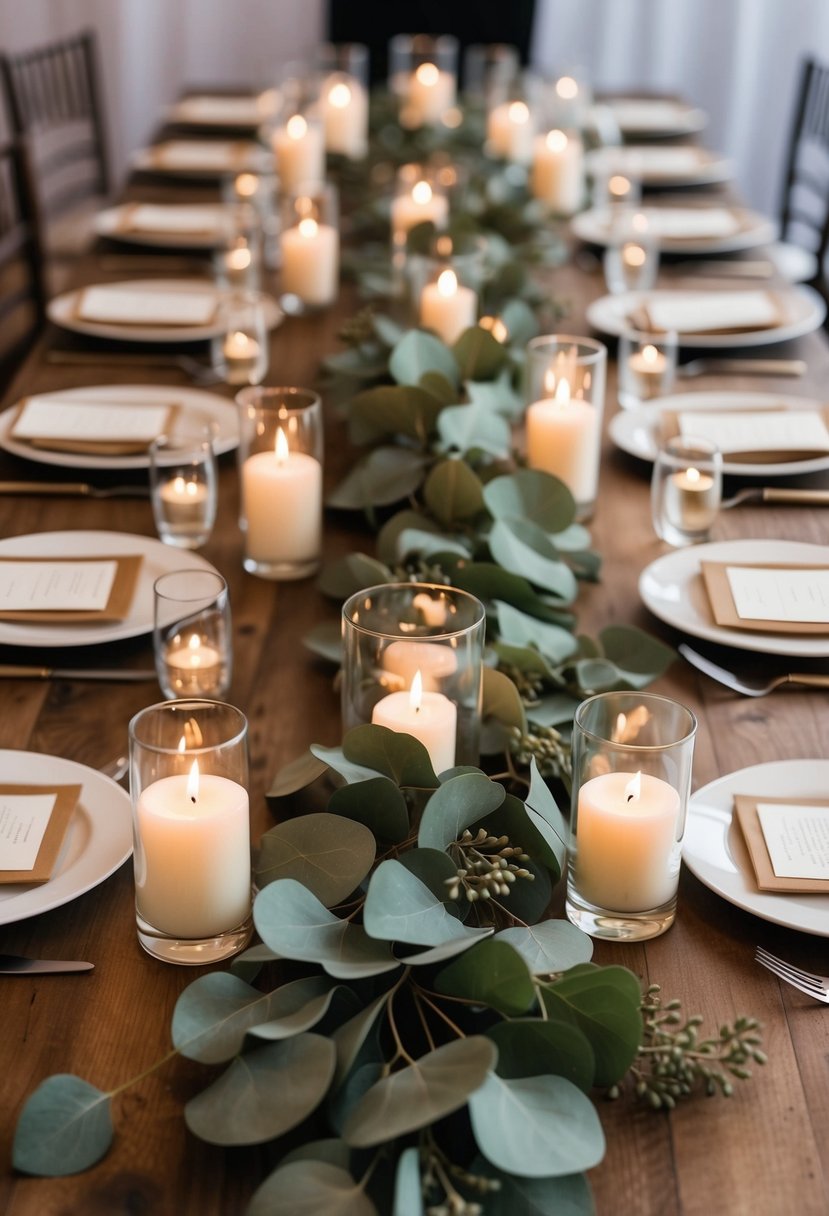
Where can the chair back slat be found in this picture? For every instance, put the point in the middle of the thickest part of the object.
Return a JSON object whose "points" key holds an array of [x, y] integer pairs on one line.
{"points": [[804, 209], [22, 290]]}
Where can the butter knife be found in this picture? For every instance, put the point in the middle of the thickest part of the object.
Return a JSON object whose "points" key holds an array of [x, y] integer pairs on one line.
{"points": [[14, 964], [128, 676]]}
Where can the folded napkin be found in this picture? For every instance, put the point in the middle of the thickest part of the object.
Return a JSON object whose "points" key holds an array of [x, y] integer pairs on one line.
{"points": [[71, 590], [238, 111], [33, 819], [689, 223], [765, 435], [128, 306], [178, 219], [103, 428], [708, 312], [770, 599], [784, 834], [211, 155]]}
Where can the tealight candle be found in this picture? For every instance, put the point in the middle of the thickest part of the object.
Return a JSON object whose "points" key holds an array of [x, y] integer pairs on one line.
{"points": [[648, 367], [434, 662], [242, 355], [431, 92], [194, 668], [237, 267], [428, 716], [558, 171], [691, 500], [422, 204], [345, 116], [184, 499], [311, 262], [510, 132], [282, 504], [299, 148], [563, 437], [448, 307]]}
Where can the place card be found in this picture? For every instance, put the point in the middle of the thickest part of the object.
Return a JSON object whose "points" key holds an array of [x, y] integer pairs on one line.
{"points": [[230, 111], [766, 435], [651, 161], [173, 218], [33, 823], [711, 312], [772, 599], [788, 842], [124, 306], [108, 428], [691, 223], [67, 589], [647, 114], [215, 155]]}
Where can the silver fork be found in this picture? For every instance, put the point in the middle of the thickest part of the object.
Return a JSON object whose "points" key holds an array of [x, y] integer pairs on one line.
{"points": [[813, 985], [794, 497], [745, 367], [753, 688]]}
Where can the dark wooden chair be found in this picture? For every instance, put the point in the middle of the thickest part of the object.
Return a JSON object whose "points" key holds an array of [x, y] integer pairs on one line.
{"points": [[22, 292], [53, 100], [804, 213]]}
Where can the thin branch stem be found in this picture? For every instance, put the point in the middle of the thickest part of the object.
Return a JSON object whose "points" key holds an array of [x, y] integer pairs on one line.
{"points": [[424, 1023], [452, 1025]]}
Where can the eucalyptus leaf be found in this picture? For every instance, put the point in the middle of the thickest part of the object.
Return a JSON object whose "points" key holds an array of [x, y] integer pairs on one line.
{"points": [[64, 1128], [489, 582], [408, 1193], [475, 425], [247, 965], [478, 355], [530, 1047], [568, 1195], [387, 330], [454, 806], [423, 1092], [441, 388], [520, 321], [325, 640], [554, 708], [523, 548], [573, 539], [442, 953], [512, 820], [453, 492], [492, 974], [529, 900], [498, 395], [382, 477], [358, 1082], [519, 629], [604, 1003], [349, 1038], [393, 409], [341, 578], [388, 548], [399, 907], [296, 775], [334, 758], [401, 757], [264, 1093], [552, 946], [533, 495], [524, 659], [501, 700], [432, 866], [327, 855], [331, 1150], [429, 546], [541, 801], [418, 353], [641, 657], [378, 803]]}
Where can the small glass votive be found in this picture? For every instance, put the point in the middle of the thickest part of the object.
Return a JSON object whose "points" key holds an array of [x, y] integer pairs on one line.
{"points": [[631, 256], [444, 290], [423, 74], [192, 638], [310, 243], [344, 98], [183, 489], [298, 144], [512, 114], [280, 470], [632, 758], [419, 198], [243, 191], [557, 177], [569, 99], [686, 489], [239, 263], [413, 662], [191, 826], [565, 390], [488, 69], [646, 366], [618, 193], [240, 355]]}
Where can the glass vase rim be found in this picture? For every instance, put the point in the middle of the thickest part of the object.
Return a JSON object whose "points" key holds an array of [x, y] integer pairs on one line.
{"points": [[640, 698], [255, 395], [214, 574], [594, 349], [415, 588], [183, 705]]}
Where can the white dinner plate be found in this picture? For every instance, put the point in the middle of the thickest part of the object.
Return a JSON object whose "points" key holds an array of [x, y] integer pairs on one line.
{"points": [[108, 223], [198, 408], [98, 839], [254, 159], [646, 117], [672, 588], [705, 168], [634, 431], [714, 849], [803, 310], [62, 310], [158, 559], [755, 229]]}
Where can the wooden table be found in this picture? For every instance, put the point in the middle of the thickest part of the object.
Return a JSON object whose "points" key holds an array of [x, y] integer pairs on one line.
{"points": [[765, 1152]]}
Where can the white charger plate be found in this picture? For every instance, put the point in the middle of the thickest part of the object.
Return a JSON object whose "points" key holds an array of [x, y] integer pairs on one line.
{"points": [[108, 223], [672, 589], [198, 408], [708, 168], [804, 312], [591, 226], [62, 311], [158, 559], [98, 839], [714, 849], [634, 431]]}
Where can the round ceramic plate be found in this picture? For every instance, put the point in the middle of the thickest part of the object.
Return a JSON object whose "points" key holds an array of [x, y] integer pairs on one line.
{"points": [[198, 408], [634, 431], [714, 849], [592, 227], [98, 839], [672, 589], [649, 117], [109, 224], [648, 162], [803, 311]]}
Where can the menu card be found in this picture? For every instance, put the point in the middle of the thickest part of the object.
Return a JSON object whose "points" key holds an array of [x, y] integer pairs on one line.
{"points": [[179, 219], [691, 312], [126, 306], [788, 842], [33, 823], [212, 155], [67, 589], [764, 435], [102, 427], [234, 111], [689, 223], [647, 114], [772, 599]]}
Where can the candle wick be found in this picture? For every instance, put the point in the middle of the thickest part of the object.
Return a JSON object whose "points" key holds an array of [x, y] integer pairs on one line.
{"points": [[629, 798], [193, 799]]}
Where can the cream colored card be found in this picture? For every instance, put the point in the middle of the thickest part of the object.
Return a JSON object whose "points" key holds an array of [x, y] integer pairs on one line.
{"points": [[797, 839], [773, 432], [68, 589], [646, 114], [794, 599], [174, 218], [88, 422], [711, 311], [813, 842], [239, 111], [122, 306], [662, 160], [33, 822], [690, 223], [199, 153]]}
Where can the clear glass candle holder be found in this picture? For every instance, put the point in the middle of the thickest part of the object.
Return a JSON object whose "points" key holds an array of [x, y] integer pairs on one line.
{"points": [[632, 759], [298, 142], [565, 391], [569, 98], [344, 98], [445, 292], [192, 637], [686, 489], [419, 198], [413, 662], [191, 825], [241, 355], [242, 191], [423, 72], [489, 68], [631, 256], [512, 116], [557, 178], [647, 365], [238, 264], [615, 192], [310, 243], [183, 489], [280, 471]]}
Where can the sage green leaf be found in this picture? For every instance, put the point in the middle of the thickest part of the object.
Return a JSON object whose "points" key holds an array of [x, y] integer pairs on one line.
{"points": [[358, 1082], [552, 946], [457, 803], [247, 965], [325, 640], [554, 708], [569, 1195], [541, 801], [426, 545], [378, 803], [460, 770], [536, 1127], [523, 548], [327, 855], [512, 820], [604, 1003], [478, 355], [292, 921], [418, 353], [264, 1093], [393, 409], [349, 1038], [388, 547], [501, 700], [440, 954], [533, 495], [475, 426], [401, 757], [520, 321], [354, 572], [489, 582], [599, 675], [453, 492], [382, 477], [357, 365], [309, 1015], [497, 395], [296, 775], [433, 1086], [530, 1047], [529, 900], [573, 539], [399, 907], [331, 1150], [441, 388], [432, 866], [519, 629], [387, 330], [213, 1015], [408, 1193], [64, 1128], [524, 658], [334, 758], [491, 974], [640, 656]]}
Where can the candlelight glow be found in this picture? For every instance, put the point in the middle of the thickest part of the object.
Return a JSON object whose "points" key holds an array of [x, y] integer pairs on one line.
{"points": [[428, 75], [519, 112], [447, 283], [422, 193], [182, 745], [556, 141], [188, 488], [339, 96], [281, 448], [246, 185], [562, 396], [633, 255], [308, 229], [496, 327], [416, 692], [650, 354], [633, 789], [238, 259], [567, 88], [193, 782], [296, 127], [618, 186], [443, 246], [692, 475]]}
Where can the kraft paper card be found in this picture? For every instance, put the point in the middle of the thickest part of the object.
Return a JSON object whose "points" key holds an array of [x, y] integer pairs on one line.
{"points": [[788, 842], [67, 589], [98, 428], [124, 306], [709, 312], [33, 823], [767, 435], [770, 599], [172, 219]]}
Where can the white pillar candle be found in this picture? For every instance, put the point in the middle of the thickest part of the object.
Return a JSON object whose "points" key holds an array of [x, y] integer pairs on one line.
{"points": [[192, 868], [647, 367], [509, 129], [282, 504], [345, 116], [691, 500], [448, 307], [428, 716], [558, 171], [242, 356], [299, 148], [311, 262], [431, 93], [627, 852], [434, 661], [421, 205], [563, 438], [193, 667]]}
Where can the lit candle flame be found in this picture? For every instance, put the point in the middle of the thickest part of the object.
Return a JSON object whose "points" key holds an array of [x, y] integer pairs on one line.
{"points": [[556, 141], [421, 193], [633, 788], [567, 88], [308, 229], [634, 255], [428, 75], [246, 185], [339, 96], [649, 354], [296, 127], [518, 112], [562, 396], [621, 727], [281, 448], [416, 692], [447, 283], [693, 475], [618, 186], [193, 782]]}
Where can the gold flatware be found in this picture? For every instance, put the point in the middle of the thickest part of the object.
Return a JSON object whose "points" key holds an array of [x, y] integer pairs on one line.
{"points": [[803, 498], [200, 372], [742, 367], [722, 270], [73, 489], [749, 688], [14, 671]]}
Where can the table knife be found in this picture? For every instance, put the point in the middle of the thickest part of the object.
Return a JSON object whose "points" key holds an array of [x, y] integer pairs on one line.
{"points": [[73, 489], [127, 676], [13, 964]]}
